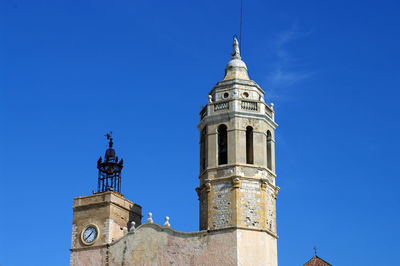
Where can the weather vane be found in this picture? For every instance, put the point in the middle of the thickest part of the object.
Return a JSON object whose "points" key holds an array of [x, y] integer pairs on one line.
{"points": [[109, 137]]}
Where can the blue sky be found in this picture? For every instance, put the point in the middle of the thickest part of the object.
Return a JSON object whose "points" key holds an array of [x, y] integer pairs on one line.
{"points": [[72, 70]]}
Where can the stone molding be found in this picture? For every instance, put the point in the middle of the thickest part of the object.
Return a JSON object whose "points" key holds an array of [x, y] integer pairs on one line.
{"points": [[226, 116], [227, 166], [233, 177], [230, 84], [100, 204]]}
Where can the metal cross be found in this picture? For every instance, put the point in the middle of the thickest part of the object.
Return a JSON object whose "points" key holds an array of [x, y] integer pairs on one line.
{"points": [[108, 135]]}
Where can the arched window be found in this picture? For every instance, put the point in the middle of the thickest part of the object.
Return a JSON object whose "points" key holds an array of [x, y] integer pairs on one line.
{"points": [[249, 145], [203, 149], [222, 145], [269, 150]]}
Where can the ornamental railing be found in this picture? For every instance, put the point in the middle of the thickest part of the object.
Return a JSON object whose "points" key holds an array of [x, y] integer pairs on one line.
{"points": [[221, 106], [268, 111], [250, 106]]}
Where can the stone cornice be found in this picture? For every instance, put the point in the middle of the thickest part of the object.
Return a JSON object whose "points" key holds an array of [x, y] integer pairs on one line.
{"points": [[227, 166], [235, 179], [100, 204], [223, 117], [229, 83]]}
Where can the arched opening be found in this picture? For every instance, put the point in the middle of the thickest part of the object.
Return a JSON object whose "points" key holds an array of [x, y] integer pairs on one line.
{"points": [[203, 149], [222, 145], [269, 150], [249, 145]]}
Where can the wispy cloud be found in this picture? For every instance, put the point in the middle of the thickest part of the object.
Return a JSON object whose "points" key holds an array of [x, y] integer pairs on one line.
{"points": [[286, 70]]}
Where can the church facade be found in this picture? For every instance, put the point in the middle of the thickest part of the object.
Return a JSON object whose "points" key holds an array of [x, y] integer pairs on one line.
{"points": [[237, 192]]}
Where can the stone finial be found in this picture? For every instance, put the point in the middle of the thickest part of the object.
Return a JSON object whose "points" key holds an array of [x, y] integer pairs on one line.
{"points": [[236, 50], [166, 224], [132, 228], [150, 218], [209, 98], [272, 106]]}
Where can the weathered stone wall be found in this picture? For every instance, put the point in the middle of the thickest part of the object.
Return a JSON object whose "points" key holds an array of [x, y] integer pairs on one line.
{"points": [[250, 203], [270, 200], [93, 256], [221, 205], [152, 244]]}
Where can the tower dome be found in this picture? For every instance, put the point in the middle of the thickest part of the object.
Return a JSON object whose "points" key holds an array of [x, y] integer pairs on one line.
{"points": [[236, 68]]}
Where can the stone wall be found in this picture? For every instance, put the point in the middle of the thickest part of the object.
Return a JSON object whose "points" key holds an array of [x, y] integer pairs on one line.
{"points": [[152, 244], [250, 203], [93, 256], [221, 205]]}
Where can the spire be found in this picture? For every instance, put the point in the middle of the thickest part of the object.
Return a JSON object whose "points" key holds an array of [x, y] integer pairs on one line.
{"points": [[110, 152], [236, 68], [109, 170], [109, 137]]}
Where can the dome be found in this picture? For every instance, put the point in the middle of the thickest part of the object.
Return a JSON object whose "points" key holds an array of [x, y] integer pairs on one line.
{"points": [[235, 62], [236, 68]]}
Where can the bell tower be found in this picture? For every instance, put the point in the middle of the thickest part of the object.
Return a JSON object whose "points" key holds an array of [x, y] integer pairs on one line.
{"points": [[109, 170], [237, 189]]}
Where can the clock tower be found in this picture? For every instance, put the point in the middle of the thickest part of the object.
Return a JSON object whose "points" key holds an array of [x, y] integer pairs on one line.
{"points": [[105, 216]]}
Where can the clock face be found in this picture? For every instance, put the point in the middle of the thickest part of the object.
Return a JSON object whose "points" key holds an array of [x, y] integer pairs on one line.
{"points": [[90, 234]]}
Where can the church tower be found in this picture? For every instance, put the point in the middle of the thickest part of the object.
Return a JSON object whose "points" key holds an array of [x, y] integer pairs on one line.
{"points": [[237, 191], [105, 216]]}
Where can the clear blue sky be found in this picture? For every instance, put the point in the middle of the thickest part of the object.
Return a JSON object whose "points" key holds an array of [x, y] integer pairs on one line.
{"points": [[72, 70]]}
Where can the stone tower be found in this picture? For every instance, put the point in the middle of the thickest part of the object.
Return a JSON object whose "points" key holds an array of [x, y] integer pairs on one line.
{"points": [[105, 216], [237, 191]]}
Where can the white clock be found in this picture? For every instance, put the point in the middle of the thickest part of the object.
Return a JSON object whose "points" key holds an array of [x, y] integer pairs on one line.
{"points": [[89, 235]]}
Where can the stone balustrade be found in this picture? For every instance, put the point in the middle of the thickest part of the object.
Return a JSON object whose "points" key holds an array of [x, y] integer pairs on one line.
{"points": [[268, 111], [236, 105], [249, 106], [221, 106]]}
